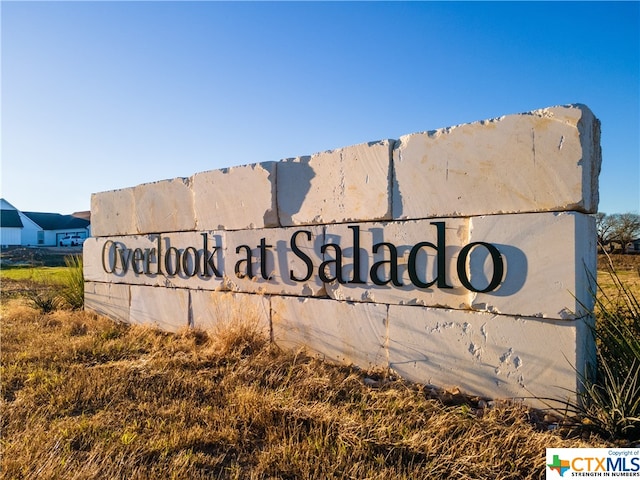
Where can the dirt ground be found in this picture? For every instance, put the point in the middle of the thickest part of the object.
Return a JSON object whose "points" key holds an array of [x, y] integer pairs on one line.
{"points": [[36, 256], [629, 261]]}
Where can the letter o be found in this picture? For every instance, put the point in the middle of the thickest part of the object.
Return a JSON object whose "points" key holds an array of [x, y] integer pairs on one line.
{"points": [[112, 256], [498, 267], [167, 264], [185, 261]]}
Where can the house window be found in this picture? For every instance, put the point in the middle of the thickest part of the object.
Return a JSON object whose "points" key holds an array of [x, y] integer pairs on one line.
{"points": [[40, 237]]}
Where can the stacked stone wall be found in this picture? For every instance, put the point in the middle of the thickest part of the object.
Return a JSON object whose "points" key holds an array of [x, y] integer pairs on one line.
{"points": [[463, 256]]}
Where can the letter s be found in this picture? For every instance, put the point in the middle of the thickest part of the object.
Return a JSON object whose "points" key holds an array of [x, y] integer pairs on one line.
{"points": [[300, 254]]}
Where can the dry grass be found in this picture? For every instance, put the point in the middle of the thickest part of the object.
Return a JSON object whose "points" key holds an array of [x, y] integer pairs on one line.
{"points": [[86, 398], [626, 267]]}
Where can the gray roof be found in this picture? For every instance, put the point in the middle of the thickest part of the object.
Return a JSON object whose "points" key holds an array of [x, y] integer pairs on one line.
{"points": [[10, 219], [55, 221]]}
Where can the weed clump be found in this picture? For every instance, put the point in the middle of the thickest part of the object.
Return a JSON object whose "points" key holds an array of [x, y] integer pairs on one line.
{"points": [[240, 327], [43, 296], [611, 400]]}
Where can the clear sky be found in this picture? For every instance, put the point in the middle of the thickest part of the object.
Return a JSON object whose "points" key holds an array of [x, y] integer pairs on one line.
{"points": [[104, 95]]}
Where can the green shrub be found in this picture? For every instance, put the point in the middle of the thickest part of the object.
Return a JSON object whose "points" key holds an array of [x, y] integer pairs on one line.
{"points": [[46, 293], [73, 282]]}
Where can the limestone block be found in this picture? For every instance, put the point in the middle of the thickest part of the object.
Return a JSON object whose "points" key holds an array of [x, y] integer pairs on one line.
{"points": [[550, 261], [91, 263], [164, 206], [236, 198], [179, 259], [215, 311], [545, 160], [349, 184], [164, 308], [349, 333], [108, 299], [404, 236], [110, 259], [286, 270], [494, 356], [547, 260], [112, 213]]}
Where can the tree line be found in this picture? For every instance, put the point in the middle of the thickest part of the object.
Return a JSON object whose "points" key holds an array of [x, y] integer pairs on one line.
{"points": [[617, 230]]}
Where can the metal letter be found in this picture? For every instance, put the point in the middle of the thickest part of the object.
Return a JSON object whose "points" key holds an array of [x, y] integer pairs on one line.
{"points": [[300, 254], [498, 267]]}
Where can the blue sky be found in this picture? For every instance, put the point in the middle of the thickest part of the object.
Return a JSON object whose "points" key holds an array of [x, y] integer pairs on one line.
{"points": [[104, 95]]}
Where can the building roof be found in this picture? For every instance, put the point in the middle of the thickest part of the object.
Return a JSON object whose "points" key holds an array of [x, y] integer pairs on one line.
{"points": [[46, 221], [4, 205], [10, 219], [86, 214], [56, 221]]}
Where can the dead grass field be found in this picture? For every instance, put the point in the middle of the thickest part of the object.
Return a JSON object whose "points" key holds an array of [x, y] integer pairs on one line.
{"points": [[627, 268], [87, 398], [84, 397]]}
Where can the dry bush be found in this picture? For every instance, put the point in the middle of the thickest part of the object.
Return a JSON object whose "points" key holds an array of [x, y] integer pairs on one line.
{"points": [[610, 401], [86, 398], [240, 328]]}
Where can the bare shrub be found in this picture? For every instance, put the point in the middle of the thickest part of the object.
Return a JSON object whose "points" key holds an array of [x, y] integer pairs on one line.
{"points": [[240, 327]]}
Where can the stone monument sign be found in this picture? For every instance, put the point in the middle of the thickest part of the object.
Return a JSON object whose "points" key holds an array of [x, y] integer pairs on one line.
{"points": [[462, 256]]}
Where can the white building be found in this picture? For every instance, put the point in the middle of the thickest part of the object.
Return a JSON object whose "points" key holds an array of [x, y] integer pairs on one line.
{"points": [[39, 229]]}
